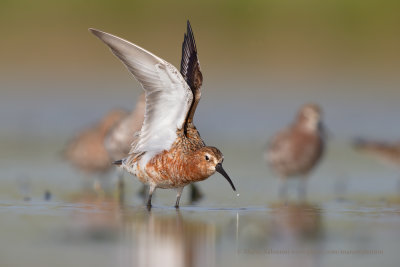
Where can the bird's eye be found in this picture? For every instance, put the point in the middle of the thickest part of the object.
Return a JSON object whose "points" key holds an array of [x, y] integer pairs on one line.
{"points": [[207, 157]]}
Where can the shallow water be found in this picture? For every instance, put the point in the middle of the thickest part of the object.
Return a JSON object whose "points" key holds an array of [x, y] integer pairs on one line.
{"points": [[103, 233], [351, 216]]}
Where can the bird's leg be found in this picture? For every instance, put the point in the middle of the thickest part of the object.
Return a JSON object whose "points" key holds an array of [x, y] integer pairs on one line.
{"points": [[195, 193], [283, 188], [152, 188], [121, 185], [178, 196], [302, 188]]}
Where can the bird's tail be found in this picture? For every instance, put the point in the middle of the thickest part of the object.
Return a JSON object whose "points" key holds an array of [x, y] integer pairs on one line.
{"points": [[118, 162]]}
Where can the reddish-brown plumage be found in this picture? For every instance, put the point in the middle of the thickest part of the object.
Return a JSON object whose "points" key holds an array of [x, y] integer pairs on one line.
{"points": [[184, 163]]}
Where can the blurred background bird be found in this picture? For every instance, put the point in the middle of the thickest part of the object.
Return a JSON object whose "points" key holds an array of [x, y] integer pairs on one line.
{"points": [[86, 151], [93, 150], [295, 151], [385, 152]]}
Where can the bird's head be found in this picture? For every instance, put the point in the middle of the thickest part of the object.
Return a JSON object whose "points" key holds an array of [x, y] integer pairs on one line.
{"points": [[209, 160], [310, 118]]}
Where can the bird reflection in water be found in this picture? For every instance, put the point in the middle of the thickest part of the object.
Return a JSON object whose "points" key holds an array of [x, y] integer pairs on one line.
{"points": [[297, 221], [168, 239], [297, 227], [95, 219]]}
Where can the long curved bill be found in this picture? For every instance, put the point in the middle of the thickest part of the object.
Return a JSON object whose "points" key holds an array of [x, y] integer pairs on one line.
{"points": [[221, 170]]}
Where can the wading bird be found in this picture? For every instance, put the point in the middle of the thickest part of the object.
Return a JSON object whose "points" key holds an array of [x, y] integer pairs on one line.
{"points": [[168, 152], [295, 151]]}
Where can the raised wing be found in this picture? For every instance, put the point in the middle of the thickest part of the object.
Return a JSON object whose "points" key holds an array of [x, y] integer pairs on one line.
{"points": [[190, 69], [168, 97]]}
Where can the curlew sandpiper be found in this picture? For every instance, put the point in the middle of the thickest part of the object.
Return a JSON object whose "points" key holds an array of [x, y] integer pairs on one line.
{"points": [[168, 152]]}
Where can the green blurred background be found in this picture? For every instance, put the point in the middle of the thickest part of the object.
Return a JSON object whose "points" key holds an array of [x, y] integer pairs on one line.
{"points": [[259, 59]]}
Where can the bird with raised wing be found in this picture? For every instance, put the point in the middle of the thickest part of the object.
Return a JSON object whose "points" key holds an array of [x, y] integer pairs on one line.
{"points": [[295, 151], [168, 152]]}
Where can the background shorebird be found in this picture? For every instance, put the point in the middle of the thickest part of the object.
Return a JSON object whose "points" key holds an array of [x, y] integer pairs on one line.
{"points": [[86, 151], [296, 150], [168, 152], [387, 153]]}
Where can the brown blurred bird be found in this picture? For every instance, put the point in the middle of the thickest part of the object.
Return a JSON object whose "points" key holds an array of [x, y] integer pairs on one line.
{"points": [[93, 150], [387, 153], [296, 150], [86, 151]]}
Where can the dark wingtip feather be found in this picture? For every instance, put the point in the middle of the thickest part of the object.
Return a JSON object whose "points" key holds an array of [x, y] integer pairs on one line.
{"points": [[191, 37], [189, 28], [190, 69], [189, 53]]}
